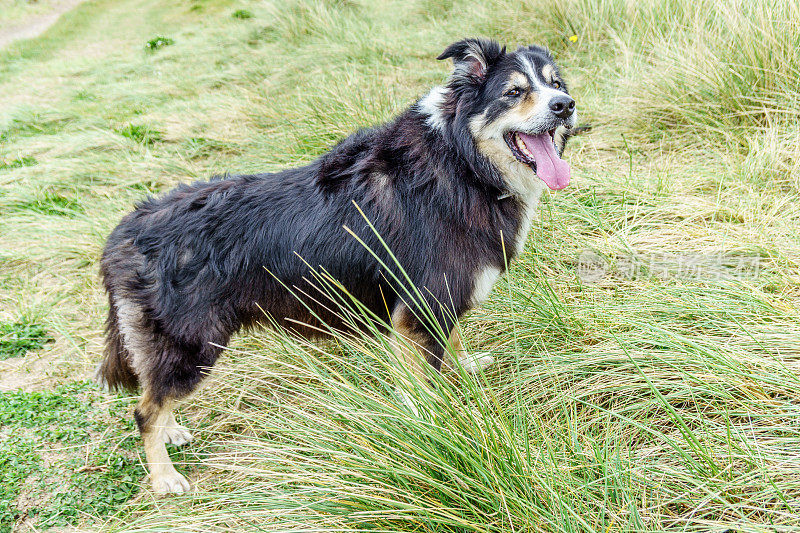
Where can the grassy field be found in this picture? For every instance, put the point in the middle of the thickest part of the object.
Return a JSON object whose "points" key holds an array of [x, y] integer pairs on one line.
{"points": [[648, 338]]}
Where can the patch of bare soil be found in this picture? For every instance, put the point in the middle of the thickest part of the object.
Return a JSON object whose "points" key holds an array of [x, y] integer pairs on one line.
{"points": [[41, 370], [35, 26]]}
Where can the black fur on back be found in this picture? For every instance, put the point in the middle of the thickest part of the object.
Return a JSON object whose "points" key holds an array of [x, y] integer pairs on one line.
{"points": [[192, 267]]}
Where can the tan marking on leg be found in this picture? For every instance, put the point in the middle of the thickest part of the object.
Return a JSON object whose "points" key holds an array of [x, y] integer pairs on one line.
{"points": [[408, 346], [137, 341], [407, 343], [456, 343], [456, 351], [163, 476]]}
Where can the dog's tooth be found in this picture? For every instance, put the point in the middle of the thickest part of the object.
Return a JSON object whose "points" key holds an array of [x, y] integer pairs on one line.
{"points": [[524, 149]]}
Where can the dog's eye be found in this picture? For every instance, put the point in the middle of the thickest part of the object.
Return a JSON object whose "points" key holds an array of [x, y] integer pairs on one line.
{"points": [[556, 84], [513, 92]]}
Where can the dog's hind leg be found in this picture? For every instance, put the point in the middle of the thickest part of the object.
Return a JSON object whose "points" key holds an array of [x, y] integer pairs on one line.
{"points": [[154, 416], [153, 413]]}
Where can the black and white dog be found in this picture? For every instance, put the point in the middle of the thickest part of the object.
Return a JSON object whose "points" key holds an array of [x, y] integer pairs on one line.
{"points": [[450, 186]]}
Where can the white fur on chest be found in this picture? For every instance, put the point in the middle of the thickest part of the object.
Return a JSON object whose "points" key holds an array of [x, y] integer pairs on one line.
{"points": [[484, 281], [531, 202]]}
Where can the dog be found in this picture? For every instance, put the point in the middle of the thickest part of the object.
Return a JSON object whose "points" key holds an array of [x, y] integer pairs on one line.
{"points": [[446, 190]]}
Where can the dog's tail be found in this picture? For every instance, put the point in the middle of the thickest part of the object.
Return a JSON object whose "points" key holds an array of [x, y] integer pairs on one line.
{"points": [[115, 372]]}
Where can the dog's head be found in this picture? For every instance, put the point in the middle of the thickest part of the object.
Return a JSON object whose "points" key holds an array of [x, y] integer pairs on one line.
{"points": [[515, 106]]}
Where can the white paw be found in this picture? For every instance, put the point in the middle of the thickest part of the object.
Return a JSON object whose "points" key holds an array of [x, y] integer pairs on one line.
{"points": [[170, 483], [407, 400], [177, 435], [476, 361]]}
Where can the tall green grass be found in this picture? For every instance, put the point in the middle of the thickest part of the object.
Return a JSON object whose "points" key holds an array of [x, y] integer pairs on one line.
{"points": [[644, 402]]}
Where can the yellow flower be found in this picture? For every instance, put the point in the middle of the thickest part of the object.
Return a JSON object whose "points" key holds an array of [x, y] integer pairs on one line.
{"points": [[573, 38]]}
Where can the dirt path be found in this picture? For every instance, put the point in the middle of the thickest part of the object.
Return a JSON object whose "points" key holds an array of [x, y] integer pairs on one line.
{"points": [[36, 25]]}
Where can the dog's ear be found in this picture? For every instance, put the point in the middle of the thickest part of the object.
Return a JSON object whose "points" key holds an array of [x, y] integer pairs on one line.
{"points": [[472, 58]]}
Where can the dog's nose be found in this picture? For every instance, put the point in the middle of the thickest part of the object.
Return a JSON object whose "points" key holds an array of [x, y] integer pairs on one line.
{"points": [[562, 106]]}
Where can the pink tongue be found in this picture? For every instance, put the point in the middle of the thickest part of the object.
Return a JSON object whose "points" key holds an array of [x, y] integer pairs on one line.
{"points": [[553, 170]]}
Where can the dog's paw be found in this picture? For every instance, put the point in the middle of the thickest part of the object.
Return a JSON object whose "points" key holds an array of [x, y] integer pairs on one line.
{"points": [[476, 361], [177, 435], [170, 483]]}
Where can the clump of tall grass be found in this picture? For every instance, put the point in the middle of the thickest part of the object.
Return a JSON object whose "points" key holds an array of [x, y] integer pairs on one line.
{"points": [[242, 14], [296, 21], [157, 43], [141, 134], [722, 74], [773, 157], [677, 433]]}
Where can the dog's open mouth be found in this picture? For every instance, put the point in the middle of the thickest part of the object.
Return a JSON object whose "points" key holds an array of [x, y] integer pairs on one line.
{"points": [[539, 153]]}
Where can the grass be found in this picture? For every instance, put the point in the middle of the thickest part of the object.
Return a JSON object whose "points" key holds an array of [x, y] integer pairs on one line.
{"points": [[23, 161], [242, 14], [157, 43], [17, 338], [648, 338], [141, 134], [61, 460]]}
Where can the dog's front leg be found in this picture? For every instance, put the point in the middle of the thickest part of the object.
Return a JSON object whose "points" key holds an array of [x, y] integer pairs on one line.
{"points": [[416, 345], [471, 362], [414, 339]]}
